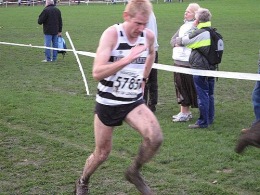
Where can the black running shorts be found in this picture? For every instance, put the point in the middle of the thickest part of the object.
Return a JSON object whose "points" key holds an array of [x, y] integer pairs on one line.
{"points": [[115, 115]]}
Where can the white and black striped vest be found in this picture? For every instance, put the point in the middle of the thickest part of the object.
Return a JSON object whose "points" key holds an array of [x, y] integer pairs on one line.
{"points": [[124, 87]]}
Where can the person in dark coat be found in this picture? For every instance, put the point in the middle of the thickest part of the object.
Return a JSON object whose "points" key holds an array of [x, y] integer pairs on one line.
{"points": [[51, 20]]}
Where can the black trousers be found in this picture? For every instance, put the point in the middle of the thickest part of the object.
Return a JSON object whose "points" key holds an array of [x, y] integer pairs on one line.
{"points": [[151, 87]]}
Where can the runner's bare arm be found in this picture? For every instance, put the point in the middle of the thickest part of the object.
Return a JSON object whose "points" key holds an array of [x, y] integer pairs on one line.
{"points": [[101, 67]]}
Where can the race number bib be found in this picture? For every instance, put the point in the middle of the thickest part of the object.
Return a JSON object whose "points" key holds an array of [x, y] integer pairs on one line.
{"points": [[127, 83]]}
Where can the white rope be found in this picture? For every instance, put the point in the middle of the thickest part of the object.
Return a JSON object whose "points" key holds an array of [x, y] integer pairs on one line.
{"points": [[209, 73], [223, 74]]}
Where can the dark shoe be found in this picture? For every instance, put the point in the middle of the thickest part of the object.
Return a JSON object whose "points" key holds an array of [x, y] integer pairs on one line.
{"points": [[81, 188], [194, 126], [134, 177]]}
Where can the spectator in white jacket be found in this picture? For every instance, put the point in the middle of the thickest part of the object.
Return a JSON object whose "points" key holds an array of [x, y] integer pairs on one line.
{"points": [[184, 86]]}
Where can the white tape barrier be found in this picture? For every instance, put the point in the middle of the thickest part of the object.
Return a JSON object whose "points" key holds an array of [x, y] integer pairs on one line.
{"points": [[73, 50], [233, 75], [209, 73]]}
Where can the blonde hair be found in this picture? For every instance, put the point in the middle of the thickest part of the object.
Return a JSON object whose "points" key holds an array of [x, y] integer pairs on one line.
{"points": [[143, 7], [193, 7]]}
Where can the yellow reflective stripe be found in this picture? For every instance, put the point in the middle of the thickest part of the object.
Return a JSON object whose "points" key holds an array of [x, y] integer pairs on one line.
{"points": [[199, 44], [204, 24]]}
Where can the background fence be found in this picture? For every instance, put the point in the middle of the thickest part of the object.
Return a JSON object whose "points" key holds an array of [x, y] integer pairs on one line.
{"points": [[61, 2]]}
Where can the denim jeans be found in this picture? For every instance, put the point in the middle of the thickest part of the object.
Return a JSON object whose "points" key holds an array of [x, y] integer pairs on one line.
{"points": [[205, 96], [51, 41], [256, 99]]}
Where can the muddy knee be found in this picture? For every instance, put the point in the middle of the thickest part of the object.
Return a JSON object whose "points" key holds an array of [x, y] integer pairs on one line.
{"points": [[101, 155], [155, 140]]}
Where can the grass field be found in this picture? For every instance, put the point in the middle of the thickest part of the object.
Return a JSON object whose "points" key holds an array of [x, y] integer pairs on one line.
{"points": [[46, 118]]}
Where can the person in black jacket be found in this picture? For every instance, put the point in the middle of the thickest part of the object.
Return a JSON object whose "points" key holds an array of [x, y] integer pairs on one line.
{"points": [[51, 19], [151, 86]]}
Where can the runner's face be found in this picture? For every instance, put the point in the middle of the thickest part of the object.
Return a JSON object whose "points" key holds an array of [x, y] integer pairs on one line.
{"points": [[137, 24]]}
